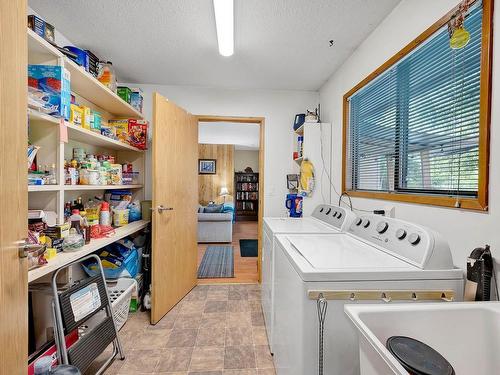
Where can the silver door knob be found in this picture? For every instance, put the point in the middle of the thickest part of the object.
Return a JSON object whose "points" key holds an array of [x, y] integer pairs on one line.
{"points": [[161, 208]]}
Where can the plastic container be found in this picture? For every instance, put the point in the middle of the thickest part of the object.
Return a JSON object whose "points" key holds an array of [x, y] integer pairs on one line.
{"points": [[73, 242], [105, 215], [65, 370], [120, 217], [106, 75], [94, 177], [43, 366], [120, 294]]}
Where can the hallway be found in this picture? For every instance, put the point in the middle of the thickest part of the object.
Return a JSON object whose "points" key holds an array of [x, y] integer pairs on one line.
{"points": [[214, 330], [245, 268]]}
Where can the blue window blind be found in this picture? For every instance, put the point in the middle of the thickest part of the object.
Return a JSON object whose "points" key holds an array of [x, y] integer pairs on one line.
{"points": [[415, 128]]}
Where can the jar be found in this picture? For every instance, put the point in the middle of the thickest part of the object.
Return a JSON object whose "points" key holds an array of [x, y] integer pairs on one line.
{"points": [[94, 177]]}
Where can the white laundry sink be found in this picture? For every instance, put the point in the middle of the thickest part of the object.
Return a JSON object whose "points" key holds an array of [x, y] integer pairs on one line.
{"points": [[467, 334]]}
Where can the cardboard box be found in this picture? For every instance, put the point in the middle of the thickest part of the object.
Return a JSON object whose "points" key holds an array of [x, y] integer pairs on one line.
{"points": [[136, 99], [51, 85], [95, 121], [42, 28], [75, 115], [124, 93], [86, 118], [138, 133], [57, 231], [121, 129]]}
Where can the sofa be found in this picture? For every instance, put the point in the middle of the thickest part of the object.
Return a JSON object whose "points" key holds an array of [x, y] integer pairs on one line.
{"points": [[215, 227]]}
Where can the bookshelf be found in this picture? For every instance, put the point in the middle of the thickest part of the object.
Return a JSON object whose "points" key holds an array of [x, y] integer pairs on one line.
{"points": [[246, 196]]}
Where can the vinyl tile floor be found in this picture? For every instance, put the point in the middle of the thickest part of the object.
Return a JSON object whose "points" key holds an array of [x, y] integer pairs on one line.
{"points": [[214, 330]]}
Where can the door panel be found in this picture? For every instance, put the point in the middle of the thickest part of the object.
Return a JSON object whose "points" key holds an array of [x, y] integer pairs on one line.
{"points": [[175, 185], [13, 188]]}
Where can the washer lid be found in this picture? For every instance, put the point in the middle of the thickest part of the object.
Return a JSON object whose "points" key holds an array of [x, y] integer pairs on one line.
{"points": [[298, 225], [418, 358], [344, 252]]}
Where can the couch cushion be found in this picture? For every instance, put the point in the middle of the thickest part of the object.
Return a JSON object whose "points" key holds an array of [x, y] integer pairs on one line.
{"points": [[213, 208], [215, 216]]}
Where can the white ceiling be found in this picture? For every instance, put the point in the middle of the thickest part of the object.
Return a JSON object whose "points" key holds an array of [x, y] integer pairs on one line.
{"points": [[279, 44], [242, 136]]}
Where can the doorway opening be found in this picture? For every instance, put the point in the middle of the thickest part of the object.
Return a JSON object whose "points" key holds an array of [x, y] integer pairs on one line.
{"points": [[231, 192]]}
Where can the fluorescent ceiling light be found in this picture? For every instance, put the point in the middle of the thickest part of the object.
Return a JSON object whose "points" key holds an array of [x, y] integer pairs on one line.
{"points": [[224, 22]]}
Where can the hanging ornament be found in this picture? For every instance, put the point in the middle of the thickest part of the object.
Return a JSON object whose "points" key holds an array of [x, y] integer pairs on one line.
{"points": [[459, 36]]}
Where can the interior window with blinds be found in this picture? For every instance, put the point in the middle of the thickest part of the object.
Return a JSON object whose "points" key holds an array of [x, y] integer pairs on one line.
{"points": [[415, 128]]}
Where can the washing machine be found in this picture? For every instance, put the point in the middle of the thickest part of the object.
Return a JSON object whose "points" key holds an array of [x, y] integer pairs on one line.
{"points": [[377, 260], [325, 219]]}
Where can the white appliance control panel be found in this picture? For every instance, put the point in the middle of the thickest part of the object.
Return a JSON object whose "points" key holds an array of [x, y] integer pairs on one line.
{"points": [[410, 242], [336, 216]]}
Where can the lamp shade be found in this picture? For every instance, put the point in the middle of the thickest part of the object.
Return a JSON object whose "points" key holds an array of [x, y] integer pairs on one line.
{"points": [[223, 191]]}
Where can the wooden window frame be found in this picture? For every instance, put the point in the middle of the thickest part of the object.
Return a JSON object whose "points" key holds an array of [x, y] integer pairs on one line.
{"points": [[481, 201]]}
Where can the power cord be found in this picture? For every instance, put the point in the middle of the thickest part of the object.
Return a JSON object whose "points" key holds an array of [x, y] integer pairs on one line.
{"points": [[332, 185]]}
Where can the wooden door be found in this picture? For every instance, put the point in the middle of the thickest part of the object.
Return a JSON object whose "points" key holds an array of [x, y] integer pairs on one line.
{"points": [[175, 187], [13, 188]]}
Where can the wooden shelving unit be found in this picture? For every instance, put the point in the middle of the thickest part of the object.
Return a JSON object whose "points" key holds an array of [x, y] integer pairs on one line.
{"points": [[246, 196], [48, 132], [67, 257]]}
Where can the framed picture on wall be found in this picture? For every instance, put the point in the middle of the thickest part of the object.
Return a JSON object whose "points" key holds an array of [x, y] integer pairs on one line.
{"points": [[207, 166]]}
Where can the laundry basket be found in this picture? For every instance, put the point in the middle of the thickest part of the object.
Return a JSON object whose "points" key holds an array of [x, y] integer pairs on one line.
{"points": [[120, 294]]}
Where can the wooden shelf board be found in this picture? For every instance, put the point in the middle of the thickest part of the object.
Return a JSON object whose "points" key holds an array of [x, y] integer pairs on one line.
{"points": [[39, 50], [86, 85], [83, 135], [35, 188], [37, 116], [100, 187], [65, 258]]}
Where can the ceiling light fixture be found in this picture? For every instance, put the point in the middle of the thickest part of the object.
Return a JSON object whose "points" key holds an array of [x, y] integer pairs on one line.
{"points": [[224, 22]]}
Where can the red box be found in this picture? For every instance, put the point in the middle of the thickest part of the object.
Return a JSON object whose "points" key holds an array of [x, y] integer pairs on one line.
{"points": [[138, 133], [71, 338]]}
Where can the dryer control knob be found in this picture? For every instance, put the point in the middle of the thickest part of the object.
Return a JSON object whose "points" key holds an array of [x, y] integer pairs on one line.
{"points": [[400, 234], [414, 238], [382, 227], [339, 215], [366, 224], [334, 213], [358, 221]]}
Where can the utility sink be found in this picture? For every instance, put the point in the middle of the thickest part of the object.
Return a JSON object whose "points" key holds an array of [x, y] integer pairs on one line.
{"points": [[466, 334]]}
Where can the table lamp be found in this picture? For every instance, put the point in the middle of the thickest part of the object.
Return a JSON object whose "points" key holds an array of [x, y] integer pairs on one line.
{"points": [[224, 192]]}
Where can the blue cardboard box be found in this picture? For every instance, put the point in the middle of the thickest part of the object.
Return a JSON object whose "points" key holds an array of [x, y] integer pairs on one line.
{"points": [[49, 86]]}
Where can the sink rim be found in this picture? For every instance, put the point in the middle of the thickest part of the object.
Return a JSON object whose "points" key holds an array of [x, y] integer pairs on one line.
{"points": [[355, 312]]}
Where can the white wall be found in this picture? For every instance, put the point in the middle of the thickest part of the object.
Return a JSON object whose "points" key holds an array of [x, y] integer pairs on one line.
{"points": [[229, 133], [278, 108], [246, 158], [465, 230]]}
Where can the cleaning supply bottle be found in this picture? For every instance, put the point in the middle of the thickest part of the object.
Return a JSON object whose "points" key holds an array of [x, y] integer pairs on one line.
{"points": [[105, 215]]}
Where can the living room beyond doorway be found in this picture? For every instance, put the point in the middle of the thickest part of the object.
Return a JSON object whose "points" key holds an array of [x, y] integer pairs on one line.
{"points": [[230, 200]]}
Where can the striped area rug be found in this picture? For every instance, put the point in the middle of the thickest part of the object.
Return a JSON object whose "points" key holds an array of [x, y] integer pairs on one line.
{"points": [[217, 262]]}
